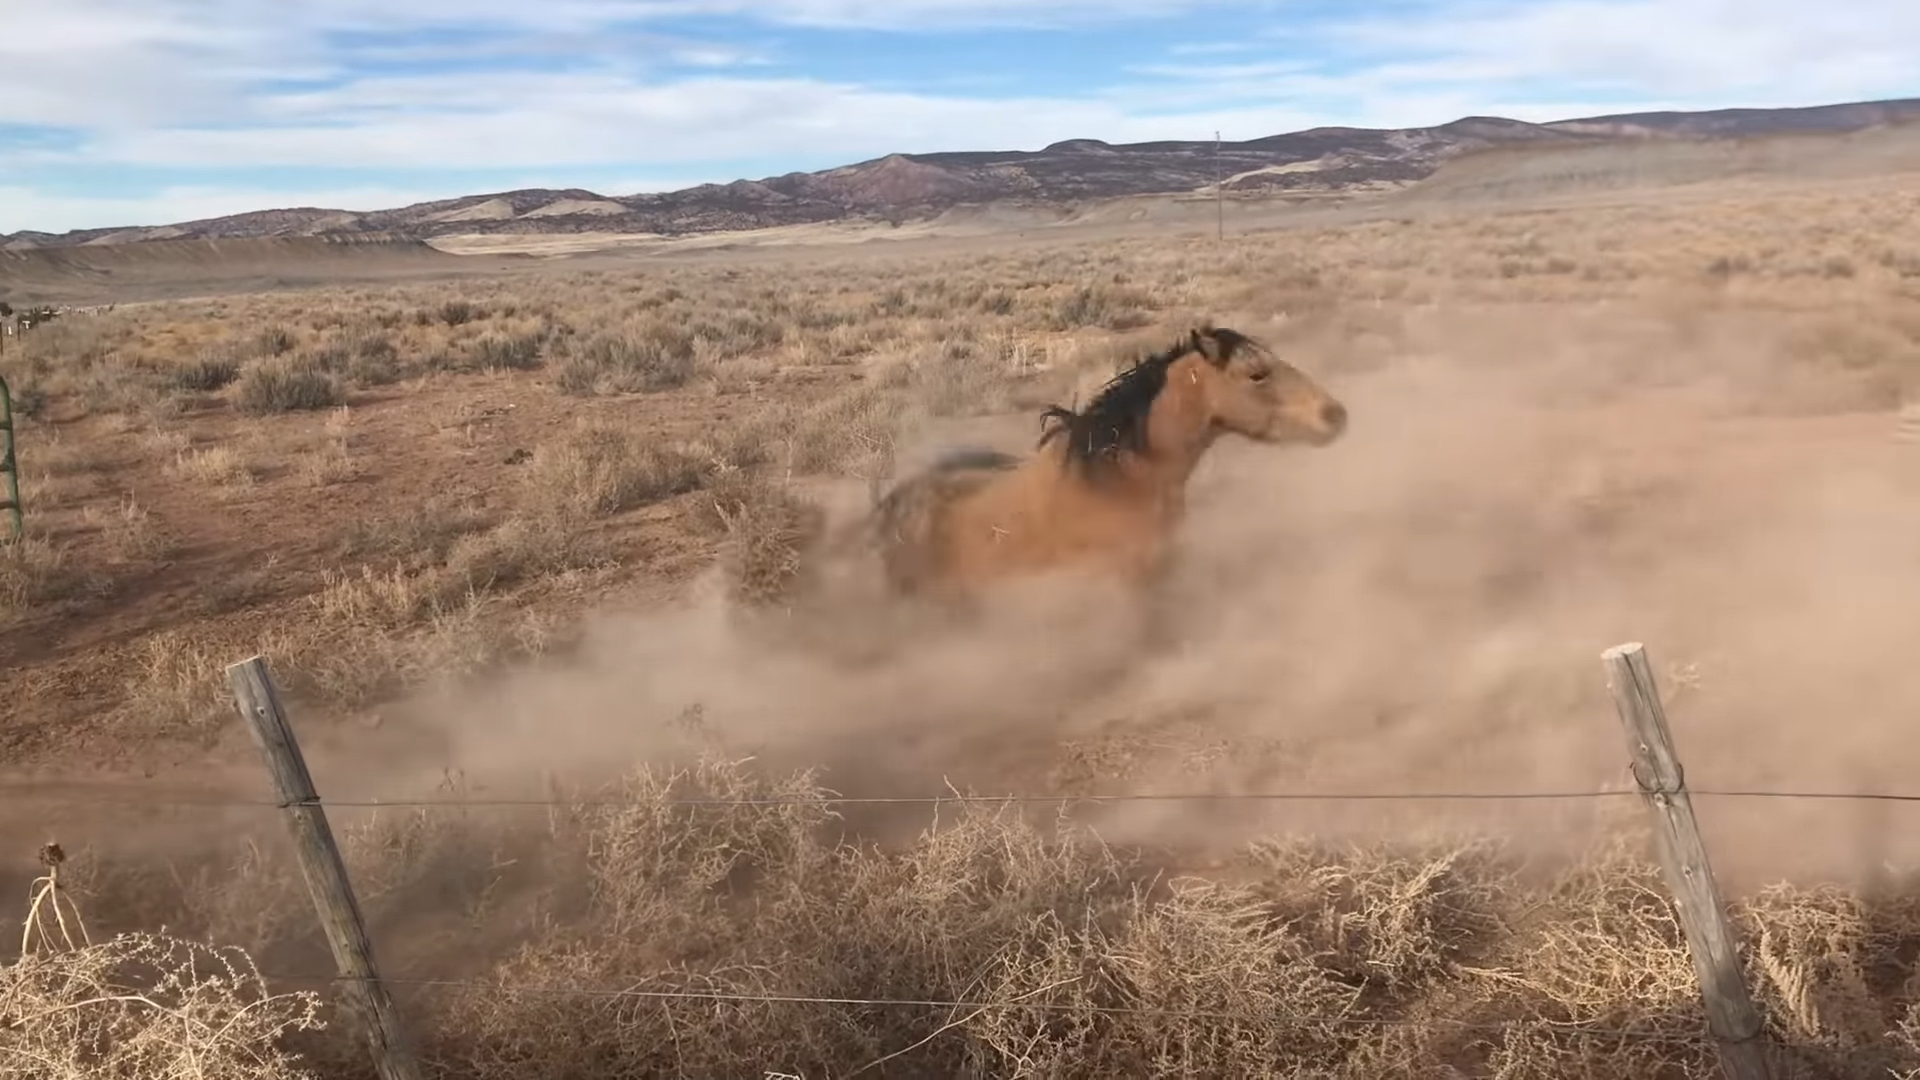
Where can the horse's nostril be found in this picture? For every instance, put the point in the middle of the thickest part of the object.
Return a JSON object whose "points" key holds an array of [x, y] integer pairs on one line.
{"points": [[1333, 414]]}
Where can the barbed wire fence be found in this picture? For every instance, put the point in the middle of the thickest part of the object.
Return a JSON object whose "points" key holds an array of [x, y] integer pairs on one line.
{"points": [[1735, 1028], [829, 799]]}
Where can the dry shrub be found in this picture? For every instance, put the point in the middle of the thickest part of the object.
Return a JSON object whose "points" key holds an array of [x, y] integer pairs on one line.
{"points": [[284, 384], [274, 340], [600, 468], [57, 455], [421, 535], [517, 550], [1069, 958], [647, 355], [36, 571], [128, 531], [118, 385], [743, 445], [139, 1006], [963, 378], [333, 463], [175, 685], [204, 374], [851, 434], [381, 599], [1112, 307], [767, 529], [1065, 957], [495, 351], [459, 629], [429, 585], [1822, 965], [214, 466], [147, 1007], [711, 920]]}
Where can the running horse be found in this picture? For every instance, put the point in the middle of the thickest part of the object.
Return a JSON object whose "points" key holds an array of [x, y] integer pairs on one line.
{"points": [[1105, 491]]}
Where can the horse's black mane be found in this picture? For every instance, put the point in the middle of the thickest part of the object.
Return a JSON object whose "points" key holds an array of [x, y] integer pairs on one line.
{"points": [[1116, 419]]}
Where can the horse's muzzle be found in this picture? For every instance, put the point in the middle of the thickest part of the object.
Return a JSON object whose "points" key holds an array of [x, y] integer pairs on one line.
{"points": [[1332, 423]]}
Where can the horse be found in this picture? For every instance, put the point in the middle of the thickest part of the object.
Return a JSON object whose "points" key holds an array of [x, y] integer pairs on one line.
{"points": [[1105, 489]]}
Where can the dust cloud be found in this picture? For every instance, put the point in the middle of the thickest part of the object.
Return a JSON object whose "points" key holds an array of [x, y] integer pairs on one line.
{"points": [[1420, 607]]}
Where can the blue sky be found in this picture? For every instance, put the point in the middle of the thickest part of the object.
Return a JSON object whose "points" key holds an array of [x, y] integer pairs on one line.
{"points": [[119, 112]]}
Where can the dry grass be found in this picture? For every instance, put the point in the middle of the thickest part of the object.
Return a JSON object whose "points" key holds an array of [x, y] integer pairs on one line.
{"points": [[214, 467], [138, 1005], [147, 1007], [1060, 955], [601, 469], [37, 573], [521, 451], [767, 531]]}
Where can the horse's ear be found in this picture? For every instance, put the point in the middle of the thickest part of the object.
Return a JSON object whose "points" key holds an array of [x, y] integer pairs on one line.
{"points": [[1214, 346]]}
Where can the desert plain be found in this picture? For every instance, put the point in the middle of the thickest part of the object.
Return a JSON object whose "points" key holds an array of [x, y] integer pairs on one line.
{"points": [[512, 521]]}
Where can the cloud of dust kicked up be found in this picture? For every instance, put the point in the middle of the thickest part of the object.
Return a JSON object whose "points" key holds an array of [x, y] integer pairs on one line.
{"points": [[1420, 607]]}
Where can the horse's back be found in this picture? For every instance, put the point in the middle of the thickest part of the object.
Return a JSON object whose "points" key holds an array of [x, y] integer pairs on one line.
{"points": [[907, 520], [963, 458]]}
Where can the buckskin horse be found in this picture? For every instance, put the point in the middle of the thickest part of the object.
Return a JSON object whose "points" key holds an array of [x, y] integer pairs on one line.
{"points": [[1105, 491]]}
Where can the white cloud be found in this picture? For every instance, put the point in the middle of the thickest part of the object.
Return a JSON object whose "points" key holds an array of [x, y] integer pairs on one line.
{"points": [[532, 121], [916, 14], [715, 56], [199, 61], [1766, 52], [830, 14], [204, 84]]}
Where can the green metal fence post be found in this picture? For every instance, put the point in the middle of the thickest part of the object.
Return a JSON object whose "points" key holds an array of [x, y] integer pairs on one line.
{"points": [[8, 464]]}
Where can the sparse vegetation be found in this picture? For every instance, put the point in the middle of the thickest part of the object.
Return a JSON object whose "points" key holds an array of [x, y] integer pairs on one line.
{"points": [[767, 531], [1063, 955], [525, 450], [600, 469], [277, 385]]}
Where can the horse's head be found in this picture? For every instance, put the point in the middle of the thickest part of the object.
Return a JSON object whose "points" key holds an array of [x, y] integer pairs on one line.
{"points": [[1248, 390]]}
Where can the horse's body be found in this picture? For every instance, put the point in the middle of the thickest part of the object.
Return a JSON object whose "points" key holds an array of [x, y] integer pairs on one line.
{"points": [[1105, 490]]}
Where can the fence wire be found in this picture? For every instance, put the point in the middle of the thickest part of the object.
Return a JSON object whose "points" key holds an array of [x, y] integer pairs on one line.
{"points": [[1572, 1027], [44, 793]]}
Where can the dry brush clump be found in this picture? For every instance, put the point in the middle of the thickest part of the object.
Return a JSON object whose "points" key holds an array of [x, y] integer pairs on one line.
{"points": [[139, 1005], [600, 468], [148, 1007], [716, 919]]}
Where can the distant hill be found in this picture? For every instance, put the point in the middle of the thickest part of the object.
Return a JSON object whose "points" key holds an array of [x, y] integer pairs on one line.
{"points": [[1322, 161]]}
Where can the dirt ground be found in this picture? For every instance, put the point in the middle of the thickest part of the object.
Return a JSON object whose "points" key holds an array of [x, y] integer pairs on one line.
{"points": [[482, 527]]}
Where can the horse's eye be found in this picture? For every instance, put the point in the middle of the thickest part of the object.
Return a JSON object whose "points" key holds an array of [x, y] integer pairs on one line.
{"points": [[1259, 376]]}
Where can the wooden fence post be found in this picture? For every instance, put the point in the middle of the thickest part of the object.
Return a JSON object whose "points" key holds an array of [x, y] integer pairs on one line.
{"points": [[320, 862], [1731, 1015]]}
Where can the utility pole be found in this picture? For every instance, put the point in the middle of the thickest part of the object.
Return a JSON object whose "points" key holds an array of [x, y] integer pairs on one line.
{"points": [[1219, 194]]}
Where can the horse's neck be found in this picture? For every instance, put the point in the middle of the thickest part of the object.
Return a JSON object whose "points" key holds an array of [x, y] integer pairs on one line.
{"points": [[1179, 434], [1155, 480]]}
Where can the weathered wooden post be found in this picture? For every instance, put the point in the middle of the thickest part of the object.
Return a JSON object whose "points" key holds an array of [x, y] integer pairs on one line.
{"points": [[1731, 1014], [321, 864]]}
